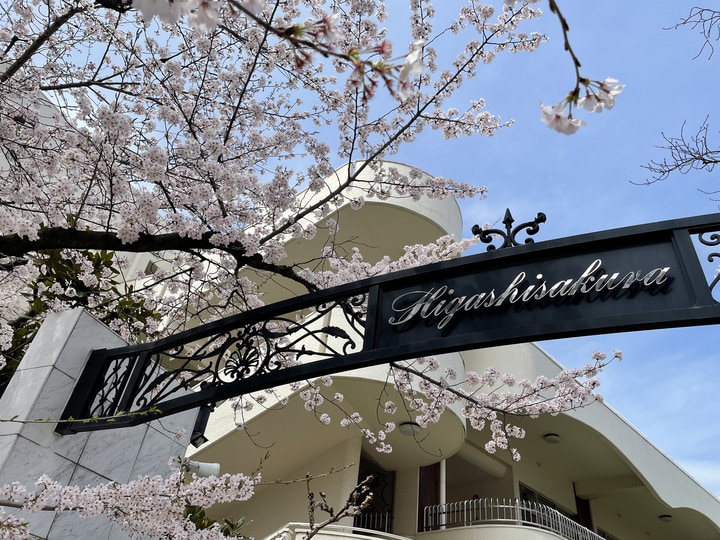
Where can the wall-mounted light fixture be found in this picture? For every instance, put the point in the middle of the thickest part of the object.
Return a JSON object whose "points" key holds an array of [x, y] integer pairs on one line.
{"points": [[409, 429], [201, 469], [551, 438]]}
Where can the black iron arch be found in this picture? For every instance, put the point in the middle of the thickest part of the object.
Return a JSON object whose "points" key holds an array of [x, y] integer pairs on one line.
{"points": [[633, 278]]}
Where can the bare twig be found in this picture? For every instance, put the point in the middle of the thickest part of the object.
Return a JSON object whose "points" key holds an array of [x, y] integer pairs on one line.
{"points": [[685, 154], [707, 21], [359, 499]]}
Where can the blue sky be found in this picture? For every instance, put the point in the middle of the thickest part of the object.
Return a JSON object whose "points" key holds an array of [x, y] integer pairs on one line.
{"points": [[667, 385]]}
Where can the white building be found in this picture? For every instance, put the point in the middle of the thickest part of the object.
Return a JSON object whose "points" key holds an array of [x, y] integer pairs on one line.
{"points": [[586, 474]]}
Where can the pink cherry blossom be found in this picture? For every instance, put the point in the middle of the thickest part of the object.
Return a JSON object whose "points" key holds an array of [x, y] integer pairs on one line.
{"points": [[413, 65], [329, 30], [591, 103], [607, 91], [204, 17], [555, 118], [166, 10], [206, 155], [146, 506], [603, 98], [255, 7]]}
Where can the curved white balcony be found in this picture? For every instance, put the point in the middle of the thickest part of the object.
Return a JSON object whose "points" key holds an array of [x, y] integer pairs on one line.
{"points": [[503, 512], [297, 531]]}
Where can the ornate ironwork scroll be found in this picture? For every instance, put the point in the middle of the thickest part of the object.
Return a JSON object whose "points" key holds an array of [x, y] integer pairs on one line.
{"points": [[711, 241], [508, 235], [138, 382]]}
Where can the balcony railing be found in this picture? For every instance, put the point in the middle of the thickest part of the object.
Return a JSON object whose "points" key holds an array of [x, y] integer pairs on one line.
{"points": [[376, 521], [295, 531], [516, 512]]}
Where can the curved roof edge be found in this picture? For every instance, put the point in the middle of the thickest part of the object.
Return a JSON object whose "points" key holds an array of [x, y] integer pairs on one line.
{"points": [[443, 212], [666, 479]]}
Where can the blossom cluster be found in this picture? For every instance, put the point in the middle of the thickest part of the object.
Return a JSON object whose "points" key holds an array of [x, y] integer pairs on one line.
{"points": [[349, 269], [150, 505], [487, 397], [426, 388], [202, 14], [599, 96]]}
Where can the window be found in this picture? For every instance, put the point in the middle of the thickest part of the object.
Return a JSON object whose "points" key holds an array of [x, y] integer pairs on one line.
{"points": [[530, 495]]}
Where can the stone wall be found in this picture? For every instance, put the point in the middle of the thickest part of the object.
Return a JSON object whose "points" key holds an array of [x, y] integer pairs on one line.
{"points": [[39, 390]]}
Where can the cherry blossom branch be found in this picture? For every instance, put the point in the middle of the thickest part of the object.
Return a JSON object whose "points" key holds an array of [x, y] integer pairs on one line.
{"points": [[246, 84], [160, 501], [152, 411], [598, 95], [39, 41], [100, 83], [292, 34], [458, 393], [305, 478], [565, 29], [390, 138], [62, 238], [146, 506]]}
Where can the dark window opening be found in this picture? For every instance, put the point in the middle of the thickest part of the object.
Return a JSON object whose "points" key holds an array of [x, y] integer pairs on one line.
{"points": [[378, 515]]}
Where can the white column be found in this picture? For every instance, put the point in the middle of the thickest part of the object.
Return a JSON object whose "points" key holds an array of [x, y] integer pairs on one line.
{"points": [[443, 492]]}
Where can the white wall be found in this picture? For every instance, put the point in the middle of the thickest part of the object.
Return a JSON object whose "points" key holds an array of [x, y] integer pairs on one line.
{"points": [[489, 532], [40, 389], [278, 503]]}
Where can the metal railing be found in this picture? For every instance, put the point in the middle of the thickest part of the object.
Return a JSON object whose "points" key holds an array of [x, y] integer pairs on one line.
{"points": [[376, 521], [517, 512], [295, 531]]}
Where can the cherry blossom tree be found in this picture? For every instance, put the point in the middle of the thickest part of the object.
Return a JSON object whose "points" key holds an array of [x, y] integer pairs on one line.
{"points": [[207, 135], [189, 130]]}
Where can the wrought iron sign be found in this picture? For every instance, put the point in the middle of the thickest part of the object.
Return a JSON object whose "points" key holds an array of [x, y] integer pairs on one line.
{"points": [[621, 280]]}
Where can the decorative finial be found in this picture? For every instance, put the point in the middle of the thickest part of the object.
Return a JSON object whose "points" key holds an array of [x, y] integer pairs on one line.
{"points": [[531, 227]]}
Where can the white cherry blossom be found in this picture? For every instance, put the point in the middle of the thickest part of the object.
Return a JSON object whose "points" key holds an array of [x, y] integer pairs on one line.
{"points": [[607, 91], [412, 66], [255, 7], [603, 97], [555, 118], [329, 29], [168, 11], [204, 17]]}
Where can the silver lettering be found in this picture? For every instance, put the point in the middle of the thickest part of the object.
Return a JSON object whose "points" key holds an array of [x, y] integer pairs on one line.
{"points": [[410, 311], [441, 304], [450, 310], [650, 278], [587, 274], [560, 288], [511, 291]]}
